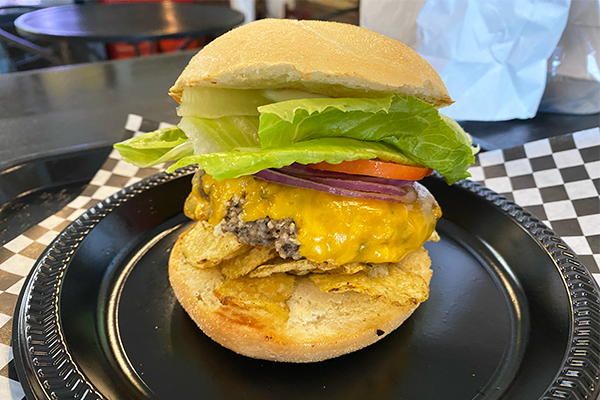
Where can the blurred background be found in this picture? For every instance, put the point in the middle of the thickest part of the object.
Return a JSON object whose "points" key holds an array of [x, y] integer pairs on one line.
{"points": [[19, 52]]}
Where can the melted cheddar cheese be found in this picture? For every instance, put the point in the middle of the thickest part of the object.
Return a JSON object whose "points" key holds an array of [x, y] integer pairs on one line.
{"points": [[331, 228]]}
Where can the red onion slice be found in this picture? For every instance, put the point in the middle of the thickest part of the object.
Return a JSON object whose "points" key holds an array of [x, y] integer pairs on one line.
{"points": [[272, 175], [305, 171], [362, 186]]}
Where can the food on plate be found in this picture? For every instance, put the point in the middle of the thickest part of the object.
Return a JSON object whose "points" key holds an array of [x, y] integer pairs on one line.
{"points": [[310, 137]]}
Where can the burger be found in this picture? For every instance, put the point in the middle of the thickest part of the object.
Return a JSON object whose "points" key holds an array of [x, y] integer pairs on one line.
{"points": [[310, 138]]}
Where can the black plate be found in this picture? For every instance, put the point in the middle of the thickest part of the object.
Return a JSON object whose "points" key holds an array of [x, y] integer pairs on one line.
{"points": [[512, 314], [36, 187]]}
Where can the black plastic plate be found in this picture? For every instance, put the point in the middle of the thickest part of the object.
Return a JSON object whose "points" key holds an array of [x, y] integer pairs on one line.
{"points": [[512, 314], [36, 187]]}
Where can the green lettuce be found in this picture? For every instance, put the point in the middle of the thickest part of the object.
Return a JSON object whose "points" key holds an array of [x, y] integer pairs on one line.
{"points": [[209, 102], [395, 128], [332, 150], [221, 134], [410, 126], [153, 148]]}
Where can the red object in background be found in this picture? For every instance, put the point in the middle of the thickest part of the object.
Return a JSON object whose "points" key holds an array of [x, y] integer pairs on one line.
{"points": [[117, 51]]}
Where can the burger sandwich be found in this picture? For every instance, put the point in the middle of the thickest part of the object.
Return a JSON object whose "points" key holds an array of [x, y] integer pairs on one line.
{"points": [[310, 138]]}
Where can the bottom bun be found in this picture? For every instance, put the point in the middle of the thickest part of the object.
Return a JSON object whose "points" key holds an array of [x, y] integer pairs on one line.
{"points": [[320, 325]]}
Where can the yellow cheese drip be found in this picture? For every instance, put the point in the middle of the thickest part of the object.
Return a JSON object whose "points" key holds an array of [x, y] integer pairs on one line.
{"points": [[331, 228]]}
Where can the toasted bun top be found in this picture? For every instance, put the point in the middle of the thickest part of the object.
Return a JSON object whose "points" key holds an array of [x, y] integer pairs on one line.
{"points": [[329, 58]]}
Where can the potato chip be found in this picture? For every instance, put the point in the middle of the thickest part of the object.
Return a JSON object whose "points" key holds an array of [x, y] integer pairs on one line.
{"points": [[435, 237], [264, 298], [303, 267], [402, 288], [299, 267], [418, 262], [245, 263], [352, 268], [205, 249]]}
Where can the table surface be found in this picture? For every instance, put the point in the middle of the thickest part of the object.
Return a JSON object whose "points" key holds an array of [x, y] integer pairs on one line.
{"points": [[127, 21], [47, 110]]}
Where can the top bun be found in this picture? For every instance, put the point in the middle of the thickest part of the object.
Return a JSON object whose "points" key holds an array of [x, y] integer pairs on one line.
{"points": [[328, 58]]}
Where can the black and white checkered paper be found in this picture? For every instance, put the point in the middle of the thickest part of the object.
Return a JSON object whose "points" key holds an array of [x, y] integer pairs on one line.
{"points": [[558, 181]]}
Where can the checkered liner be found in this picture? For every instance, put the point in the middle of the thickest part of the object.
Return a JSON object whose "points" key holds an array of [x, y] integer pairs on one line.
{"points": [[556, 179]]}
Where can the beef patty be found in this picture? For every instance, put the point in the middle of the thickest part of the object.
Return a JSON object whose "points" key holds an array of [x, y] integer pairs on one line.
{"points": [[265, 232]]}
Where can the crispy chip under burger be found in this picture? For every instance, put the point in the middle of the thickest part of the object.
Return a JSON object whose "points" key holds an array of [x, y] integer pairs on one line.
{"points": [[303, 267], [205, 249], [400, 287], [299, 267], [245, 263], [403, 283], [352, 268], [257, 300], [417, 262]]}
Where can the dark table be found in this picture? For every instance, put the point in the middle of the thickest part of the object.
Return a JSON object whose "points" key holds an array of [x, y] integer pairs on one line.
{"points": [[505, 134], [48, 110], [126, 22]]}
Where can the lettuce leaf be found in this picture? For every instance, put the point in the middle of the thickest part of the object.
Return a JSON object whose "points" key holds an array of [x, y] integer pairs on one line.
{"points": [[460, 133], [332, 150], [167, 144], [410, 126], [221, 134], [394, 128], [209, 102]]}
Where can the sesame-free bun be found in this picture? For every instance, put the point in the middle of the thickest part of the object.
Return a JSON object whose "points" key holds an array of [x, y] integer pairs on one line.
{"points": [[320, 325], [328, 58]]}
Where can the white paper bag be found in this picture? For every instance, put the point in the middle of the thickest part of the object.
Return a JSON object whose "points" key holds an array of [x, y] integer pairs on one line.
{"points": [[492, 55]]}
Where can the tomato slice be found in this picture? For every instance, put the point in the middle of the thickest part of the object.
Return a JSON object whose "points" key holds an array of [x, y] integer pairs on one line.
{"points": [[376, 168]]}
